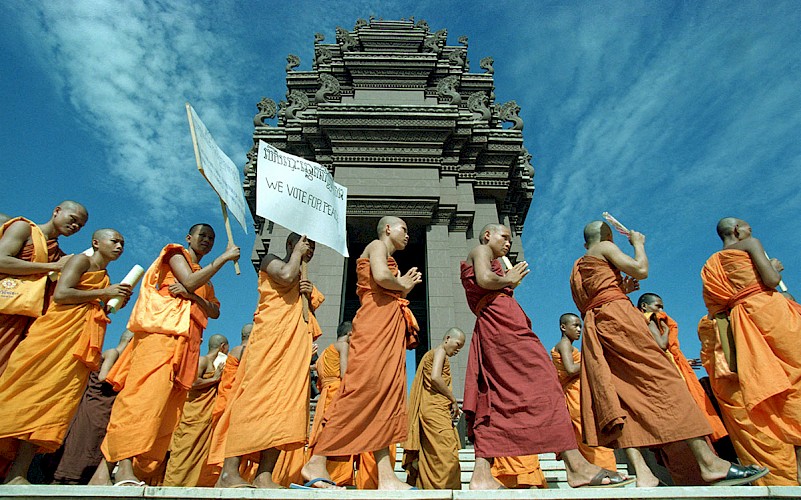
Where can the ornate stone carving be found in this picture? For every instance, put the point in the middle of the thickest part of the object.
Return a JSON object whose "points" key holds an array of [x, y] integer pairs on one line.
{"points": [[292, 62], [458, 58], [508, 112], [525, 160], [463, 40], [267, 109], [486, 64], [447, 88], [478, 103], [329, 86], [400, 207], [297, 102], [361, 23], [318, 37], [348, 43], [323, 55], [434, 43], [423, 25]]}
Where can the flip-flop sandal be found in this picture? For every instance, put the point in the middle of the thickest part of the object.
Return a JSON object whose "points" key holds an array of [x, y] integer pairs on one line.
{"points": [[615, 480], [243, 485], [309, 485], [130, 482], [738, 475]]}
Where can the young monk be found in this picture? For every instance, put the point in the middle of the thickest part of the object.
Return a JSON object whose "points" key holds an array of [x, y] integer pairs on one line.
{"points": [[191, 440], [41, 387], [268, 407], [618, 354], [369, 412], [28, 249], [158, 368], [739, 292], [82, 453], [567, 360], [431, 450], [504, 418]]}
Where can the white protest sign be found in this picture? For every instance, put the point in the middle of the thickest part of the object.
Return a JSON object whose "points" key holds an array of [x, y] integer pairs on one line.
{"points": [[218, 169], [301, 195]]}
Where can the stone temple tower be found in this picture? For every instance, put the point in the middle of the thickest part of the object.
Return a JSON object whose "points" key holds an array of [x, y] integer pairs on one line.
{"points": [[395, 115]]}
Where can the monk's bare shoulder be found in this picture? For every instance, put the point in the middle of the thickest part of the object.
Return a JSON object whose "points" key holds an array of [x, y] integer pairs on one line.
{"points": [[375, 249], [14, 238]]}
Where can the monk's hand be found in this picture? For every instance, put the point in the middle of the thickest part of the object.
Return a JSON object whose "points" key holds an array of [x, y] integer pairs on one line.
{"points": [[636, 238], [119, 290], [315, 348], [303, 248], [178, 290], [306, 287], [409, 280], [629, 284], [231, 253], [517, 273], [455, 411], [59, 264], [777, 265]]}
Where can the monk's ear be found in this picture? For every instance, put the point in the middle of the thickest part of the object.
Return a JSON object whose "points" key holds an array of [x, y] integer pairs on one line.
{"points": [[95, 243]]}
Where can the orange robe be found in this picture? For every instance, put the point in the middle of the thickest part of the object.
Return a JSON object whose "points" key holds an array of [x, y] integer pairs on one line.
{"points": [[431, 450], [753, 443], [268, 404], [156, 370], [522, 472], [636, 397], [191, 440], [369, 411], [14, 327], [765, 326], [571, 384], [48, 372]]}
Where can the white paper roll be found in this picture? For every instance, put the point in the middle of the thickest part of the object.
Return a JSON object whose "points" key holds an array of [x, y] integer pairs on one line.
{"points": [[219, 360], [506, 262], [132, 278]]}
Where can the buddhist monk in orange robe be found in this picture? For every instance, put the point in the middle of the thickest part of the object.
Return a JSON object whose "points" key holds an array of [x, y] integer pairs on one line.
{"points": [[523, 472], [268, 406], [191, 441], [567, 360], [27, 249], [752, 442], [47, 373], [619, 355], [158, 368], [431, 450], [739, 289], [369, 412]]}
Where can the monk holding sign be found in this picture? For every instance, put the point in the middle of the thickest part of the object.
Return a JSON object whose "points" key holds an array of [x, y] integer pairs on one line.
{"points": [[619, 355], [46, 375], [268, 407], [369, 413], [762, 330], [28, 249], [160, 365]]}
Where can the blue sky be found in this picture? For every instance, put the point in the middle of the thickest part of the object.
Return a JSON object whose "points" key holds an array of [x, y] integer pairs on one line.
{"points": [[670, 115]]}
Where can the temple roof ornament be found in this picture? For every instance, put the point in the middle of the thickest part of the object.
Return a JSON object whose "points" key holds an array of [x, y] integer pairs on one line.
{"points": [[486, 64], [329, 86], [508, 112], [292, 62], [267, 109]]}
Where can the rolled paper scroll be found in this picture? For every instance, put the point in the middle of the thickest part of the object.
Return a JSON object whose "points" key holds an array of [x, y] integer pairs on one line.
{"points": [[506, 262], [132, 278], [616, 223], [219, 360]]}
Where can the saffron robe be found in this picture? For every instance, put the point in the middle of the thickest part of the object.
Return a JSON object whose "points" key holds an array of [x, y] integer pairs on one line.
{"points": [[506, 418], [155, 372], [369, 411], [766, 327], [519, 472], [571, 385], [14, 327], [431, 450], [268, 405], [191, 440], [753, 443], [47, 373], [88, 428], [635, 396]]}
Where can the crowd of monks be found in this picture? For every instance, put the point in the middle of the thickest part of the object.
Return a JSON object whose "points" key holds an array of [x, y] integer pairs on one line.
{"points": [[153, 410]]}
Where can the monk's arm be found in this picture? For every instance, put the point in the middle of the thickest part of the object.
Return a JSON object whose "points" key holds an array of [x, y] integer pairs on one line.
{"points": [[486, 278], [660, 334], [192, 280], [636, 267], [203, 367], [210, 309], [437, 382], [377, 253], [67, 293], [566, 351], [767, 272], [110, 357], [343, 358], [11, 243]]}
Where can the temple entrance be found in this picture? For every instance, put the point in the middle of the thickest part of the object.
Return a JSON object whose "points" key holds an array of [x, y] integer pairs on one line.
{"points": [[361, 231]]}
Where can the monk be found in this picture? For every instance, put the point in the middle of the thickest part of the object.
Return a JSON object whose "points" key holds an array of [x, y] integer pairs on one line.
{"points": [[158, 368], [431, 450], [619, 354], [81, 451], [229, 372], [191, 440], [567, 360], [369, 412], [47, 373], [268, 407], [28, 249], [739, 293], [505, 418], [752, 442]]}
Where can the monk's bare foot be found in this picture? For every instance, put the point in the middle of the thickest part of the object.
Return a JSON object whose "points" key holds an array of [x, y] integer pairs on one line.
{"points": [[647, 481], [227, 480], [315, 469], [491, 484], [17, 481], [265, 480], [392, 483]]}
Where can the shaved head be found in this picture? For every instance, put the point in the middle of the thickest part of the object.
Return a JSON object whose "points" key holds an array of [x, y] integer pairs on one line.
{"points": [[292, 239], [197, 227], [725, 227], [390, 220], [454, 333], [4, 218], [344, 329], [563, 319], [493, 228], [73, 206], [595, 231], [246, 331], [105, 233], [216, 341], [647, 298]]}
